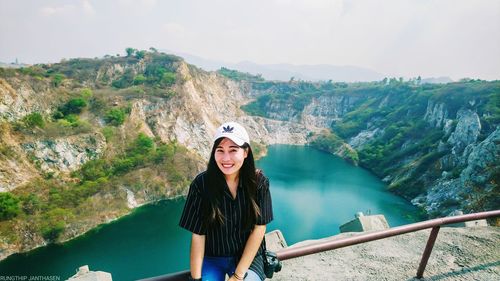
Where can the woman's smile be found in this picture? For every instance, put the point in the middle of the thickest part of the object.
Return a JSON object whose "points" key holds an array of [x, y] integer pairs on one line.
{"points": [[230, 157]]}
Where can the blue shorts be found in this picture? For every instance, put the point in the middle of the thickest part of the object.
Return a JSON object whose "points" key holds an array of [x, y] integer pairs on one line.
{"points": [[216, 268]]}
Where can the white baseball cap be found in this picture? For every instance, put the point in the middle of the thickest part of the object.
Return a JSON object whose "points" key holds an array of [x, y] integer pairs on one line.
{"points": [[234, 132]]}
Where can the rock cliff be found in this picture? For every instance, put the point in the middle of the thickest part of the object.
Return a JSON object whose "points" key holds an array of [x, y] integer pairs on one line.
{"points": [[21, 96], [434, 145], [203, 100], [84, 159], [65, 154], [440, 153], [475, 188], [322, 111]]}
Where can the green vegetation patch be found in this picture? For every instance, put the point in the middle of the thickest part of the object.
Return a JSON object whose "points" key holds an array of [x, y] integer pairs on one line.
{"points": [[331, 143], [115, 116], [239, 76], [326, 141], [33, 120], [9, 206]]}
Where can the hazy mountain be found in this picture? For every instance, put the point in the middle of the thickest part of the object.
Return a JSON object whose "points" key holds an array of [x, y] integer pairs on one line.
{"points": [[437, 80], [286, 71], [311, 72], [206, 64]]}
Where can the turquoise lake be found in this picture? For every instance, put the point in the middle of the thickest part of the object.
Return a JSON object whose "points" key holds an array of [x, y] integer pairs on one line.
{"points": [[313, 194]]}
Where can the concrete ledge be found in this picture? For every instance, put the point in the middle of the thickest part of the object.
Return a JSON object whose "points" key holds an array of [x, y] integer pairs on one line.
{"points": [[84, 274], [275, 240], [365, 223]]}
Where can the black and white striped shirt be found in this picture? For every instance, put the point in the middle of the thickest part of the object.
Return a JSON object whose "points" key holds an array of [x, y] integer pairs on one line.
{"points": [[230, 238]]}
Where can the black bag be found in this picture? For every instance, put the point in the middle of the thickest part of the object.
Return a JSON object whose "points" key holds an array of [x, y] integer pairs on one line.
{"points": [[271, 262]]}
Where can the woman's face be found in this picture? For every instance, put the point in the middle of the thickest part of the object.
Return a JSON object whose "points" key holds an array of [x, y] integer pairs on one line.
{"points": [[229, 157]]}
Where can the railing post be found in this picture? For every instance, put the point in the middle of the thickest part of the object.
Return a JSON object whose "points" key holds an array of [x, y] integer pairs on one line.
{"points": [[427, 251]]}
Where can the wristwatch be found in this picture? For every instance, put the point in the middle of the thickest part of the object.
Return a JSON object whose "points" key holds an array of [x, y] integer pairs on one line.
{"points": [[193, 279]]}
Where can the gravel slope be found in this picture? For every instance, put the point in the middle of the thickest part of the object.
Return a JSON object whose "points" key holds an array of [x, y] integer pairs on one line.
{"points": [[458, 254]]}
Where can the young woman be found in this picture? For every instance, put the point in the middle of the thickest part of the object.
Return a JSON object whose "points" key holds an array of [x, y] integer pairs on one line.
{"points": [[227, 209]]}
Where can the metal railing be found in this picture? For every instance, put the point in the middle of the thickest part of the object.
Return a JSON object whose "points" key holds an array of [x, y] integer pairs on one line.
{"points": [[299, 251]]}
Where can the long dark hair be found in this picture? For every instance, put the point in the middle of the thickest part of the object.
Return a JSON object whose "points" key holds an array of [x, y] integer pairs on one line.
{"points": [[214, 191]]}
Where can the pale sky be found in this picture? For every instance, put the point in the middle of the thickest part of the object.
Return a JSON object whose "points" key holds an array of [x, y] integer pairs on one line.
{"points": [[398, 38]]}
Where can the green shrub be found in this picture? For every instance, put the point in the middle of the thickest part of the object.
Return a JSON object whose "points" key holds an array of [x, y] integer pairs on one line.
{"points": [[97, 105], [352, 156], [86, 189], [94, 169], [33, 71], [9, 206], [64, 123], [73, 106], [52, 230], [139, 79], [141, 146], [130, 51], [31, 204], [239, 76], [86, 93], [126, 80], [115, 116], [121, 166], [168, 78], [140, 54], [108, 133], [54, 223], [159, 74], [72, 119], [56, 197], [57, 115], [57, 79], [163, 152], [34, 119], [256, 108], [168, 94]]}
